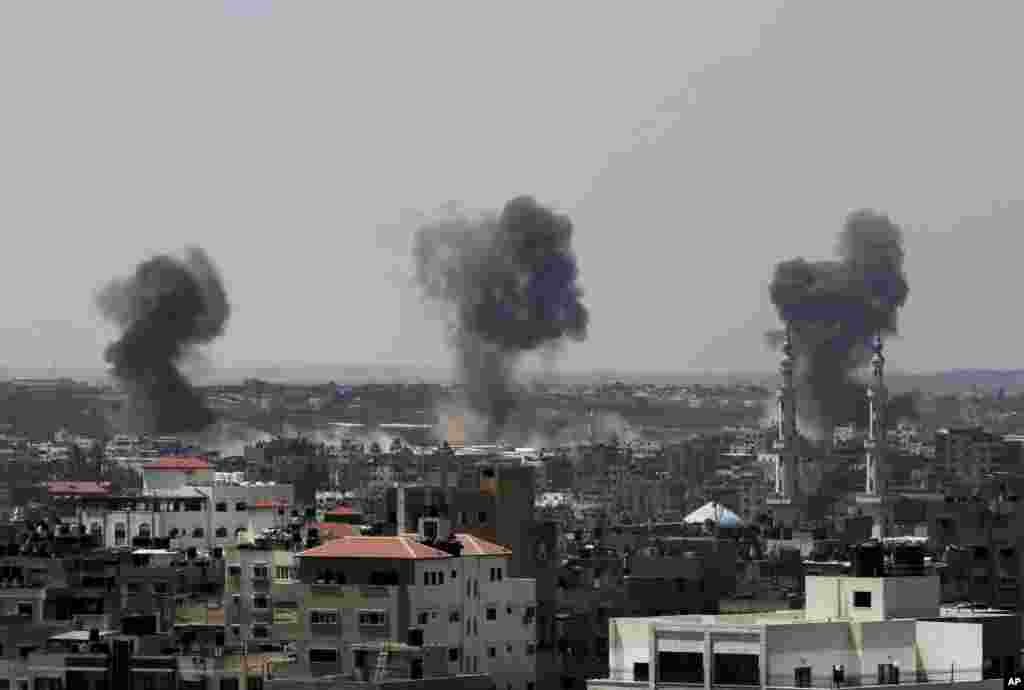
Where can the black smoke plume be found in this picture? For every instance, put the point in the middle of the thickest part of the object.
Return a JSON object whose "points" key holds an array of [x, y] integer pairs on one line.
{"points": [[834, 309], [164, 311], [510, 282]]}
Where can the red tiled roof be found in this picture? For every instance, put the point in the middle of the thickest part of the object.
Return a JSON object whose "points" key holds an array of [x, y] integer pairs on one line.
{"points": [[179, 464], [386, 548], [66, 488], [336, 530], [475, 546]]}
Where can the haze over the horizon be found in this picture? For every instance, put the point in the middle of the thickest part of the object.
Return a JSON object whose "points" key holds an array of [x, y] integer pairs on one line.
{"points": [[694, 145]]}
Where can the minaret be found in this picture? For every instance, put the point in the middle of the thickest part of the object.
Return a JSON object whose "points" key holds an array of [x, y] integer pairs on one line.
{"points": [[875, 446], [784, 497], [785, 445]]}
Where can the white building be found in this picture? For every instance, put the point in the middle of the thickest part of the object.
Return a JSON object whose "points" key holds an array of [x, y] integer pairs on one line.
{"points": [[878, 630], [182, 501]]}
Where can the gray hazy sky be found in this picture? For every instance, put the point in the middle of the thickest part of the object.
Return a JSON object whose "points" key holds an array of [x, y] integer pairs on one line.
{"points": [[694, 144]]}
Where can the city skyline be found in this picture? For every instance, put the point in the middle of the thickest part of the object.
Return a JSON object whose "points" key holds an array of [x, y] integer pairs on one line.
{"points": [[693, 147]]}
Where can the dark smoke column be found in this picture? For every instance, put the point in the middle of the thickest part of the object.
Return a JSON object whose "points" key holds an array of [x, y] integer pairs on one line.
{"points": [[834, 309], [164, 310], [509, 280]]}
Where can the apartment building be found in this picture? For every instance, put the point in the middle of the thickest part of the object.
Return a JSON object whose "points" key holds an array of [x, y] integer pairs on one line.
{"points": [[191, 516]]}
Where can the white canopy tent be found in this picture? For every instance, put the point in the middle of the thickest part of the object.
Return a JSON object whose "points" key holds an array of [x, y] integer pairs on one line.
{"points": [[715, 512]]}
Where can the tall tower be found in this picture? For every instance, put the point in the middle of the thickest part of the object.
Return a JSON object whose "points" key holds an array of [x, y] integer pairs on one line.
{"points": [[875, 446], [784, 498]]}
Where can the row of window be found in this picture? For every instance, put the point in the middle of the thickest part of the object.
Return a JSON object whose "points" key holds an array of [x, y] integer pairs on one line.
{"points": [[490, 614], [240, 506], [261, 571], [121, 534]]}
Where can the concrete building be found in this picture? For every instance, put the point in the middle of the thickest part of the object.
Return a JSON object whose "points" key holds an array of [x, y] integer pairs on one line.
{"points": [[436, 600], [187, 507], [877, 630]]}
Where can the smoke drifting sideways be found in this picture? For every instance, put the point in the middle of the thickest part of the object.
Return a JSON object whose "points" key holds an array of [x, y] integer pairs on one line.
{"points": [[509, 285], [834, 309], [165, 310]]}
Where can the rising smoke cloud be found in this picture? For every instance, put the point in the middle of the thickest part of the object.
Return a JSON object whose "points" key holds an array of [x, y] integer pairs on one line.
{"points": [[834, 309], [509, 281], [164, 310]]}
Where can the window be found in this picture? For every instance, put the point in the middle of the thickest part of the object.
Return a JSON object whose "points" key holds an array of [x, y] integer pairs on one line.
{"points": [[423, 618], [862, 600], [234, 570], [241, 506], [144, 531], [455, 574], [198, 533], [120, 534], [531, 613], [260, 572], [160, 588], [454, 616], [222, 532], [492, 652], [453, 654], [802, 676], [495, 574], [492, 613], [222, 507], [508, 648], [531, 649], [481, 517], [259, 631], [476, 589], [323, 656], [239, 531], [323, 617], [25, 609], [260, 601], [282, 572], [173, 533], [372, 618]]}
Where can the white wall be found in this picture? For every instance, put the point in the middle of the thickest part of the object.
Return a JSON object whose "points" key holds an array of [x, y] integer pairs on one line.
{"points": [[884, 642], [628, 644], [818, 645], [942, 645]]}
